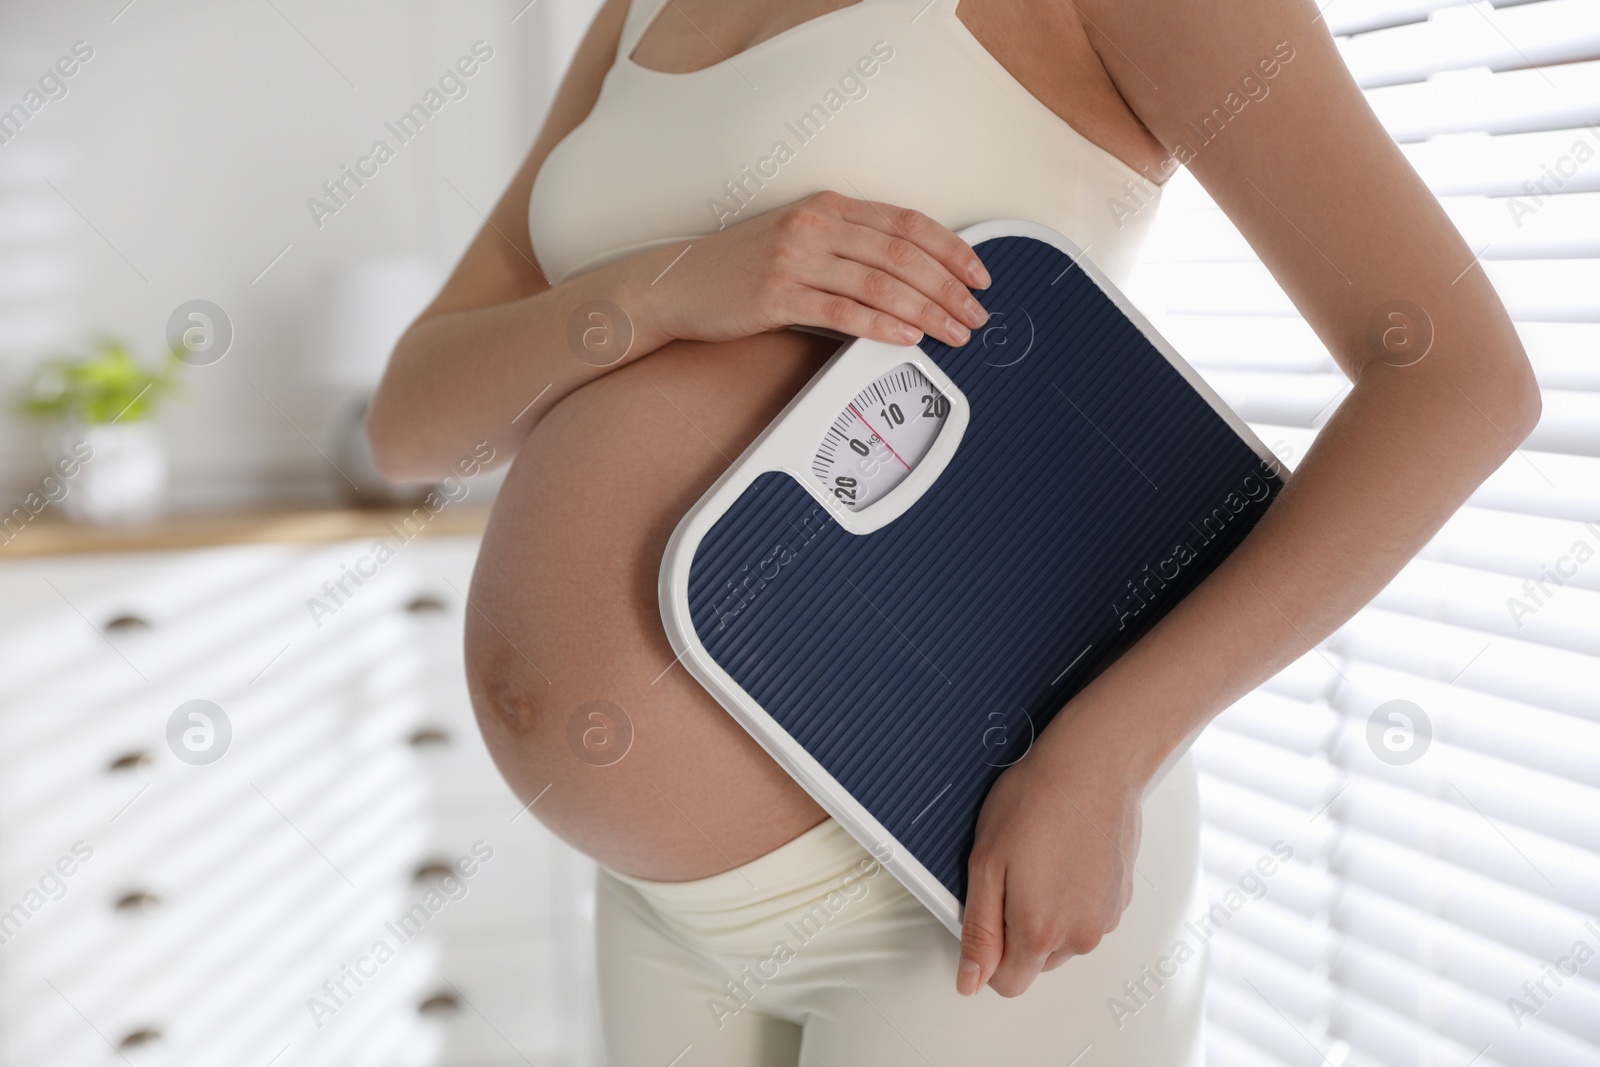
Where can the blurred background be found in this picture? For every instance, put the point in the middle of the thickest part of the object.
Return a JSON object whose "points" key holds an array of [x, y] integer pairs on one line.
{"points": [[236, 753]]}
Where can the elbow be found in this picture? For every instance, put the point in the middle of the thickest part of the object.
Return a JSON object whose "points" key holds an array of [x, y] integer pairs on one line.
{"points": [[1521, 401], [387, 445], [392, 435], [396, 451], [1497, 396], [1530, 410]]}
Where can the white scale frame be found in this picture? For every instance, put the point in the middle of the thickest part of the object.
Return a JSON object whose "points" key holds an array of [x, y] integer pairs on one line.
{"points": [[788, 445]]}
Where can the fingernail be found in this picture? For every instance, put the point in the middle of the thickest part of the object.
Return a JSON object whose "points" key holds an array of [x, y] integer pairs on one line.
{"points": [[976, 315], [909, 334], [967, 977], [978, 276], [957, 331]]}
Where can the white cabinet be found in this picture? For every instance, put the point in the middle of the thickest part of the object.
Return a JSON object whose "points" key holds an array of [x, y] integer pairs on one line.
{"points": [[296, 901]]}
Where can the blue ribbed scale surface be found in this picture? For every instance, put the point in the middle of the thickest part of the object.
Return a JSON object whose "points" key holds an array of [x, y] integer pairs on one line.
{"points": [[914, 662]]}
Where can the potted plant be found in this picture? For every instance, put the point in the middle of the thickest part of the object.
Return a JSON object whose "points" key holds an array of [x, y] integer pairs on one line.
{"points": [[103, 404]]}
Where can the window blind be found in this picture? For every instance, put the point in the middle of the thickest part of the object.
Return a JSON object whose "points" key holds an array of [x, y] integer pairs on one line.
{"points": [[1442, 906]]}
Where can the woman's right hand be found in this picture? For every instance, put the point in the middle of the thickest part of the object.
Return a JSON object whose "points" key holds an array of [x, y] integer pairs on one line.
{"points": [[860, 267]]}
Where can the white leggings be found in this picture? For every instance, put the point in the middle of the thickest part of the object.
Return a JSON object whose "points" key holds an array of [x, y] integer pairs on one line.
{"points": [[811, 955]]}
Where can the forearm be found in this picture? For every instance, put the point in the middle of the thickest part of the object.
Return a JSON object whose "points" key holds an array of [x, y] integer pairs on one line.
{"points": [[1399, 456], [458, 378]]}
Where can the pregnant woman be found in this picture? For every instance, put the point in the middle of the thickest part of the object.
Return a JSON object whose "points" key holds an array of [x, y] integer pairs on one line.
{"points": [[712, 175]]}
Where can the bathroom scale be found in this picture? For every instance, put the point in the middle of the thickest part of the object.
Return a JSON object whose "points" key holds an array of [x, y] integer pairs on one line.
{"points": [[931, 549]]}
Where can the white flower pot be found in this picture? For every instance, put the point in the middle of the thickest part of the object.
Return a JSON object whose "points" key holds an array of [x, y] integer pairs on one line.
{"points": [[123, 477]]}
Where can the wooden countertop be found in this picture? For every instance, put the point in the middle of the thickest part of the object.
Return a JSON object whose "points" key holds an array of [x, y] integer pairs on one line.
{"points": [[47, 537]]}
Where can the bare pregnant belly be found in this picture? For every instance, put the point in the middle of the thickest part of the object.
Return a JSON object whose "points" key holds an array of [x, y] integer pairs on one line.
{"points": [[573, 681]]}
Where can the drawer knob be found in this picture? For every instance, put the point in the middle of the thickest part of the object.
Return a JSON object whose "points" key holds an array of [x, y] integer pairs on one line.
{"points": [[139, 1038], [432, 869], [137, 760], [137, 900], [439, 1004], [126, 623], [425, 604], [428, 737]]}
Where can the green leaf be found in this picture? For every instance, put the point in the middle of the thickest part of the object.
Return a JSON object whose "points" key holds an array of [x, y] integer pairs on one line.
{"points": [[106, 385]]}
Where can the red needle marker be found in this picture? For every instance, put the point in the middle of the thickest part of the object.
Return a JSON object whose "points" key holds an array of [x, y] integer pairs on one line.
{"points": [[880, 437]]}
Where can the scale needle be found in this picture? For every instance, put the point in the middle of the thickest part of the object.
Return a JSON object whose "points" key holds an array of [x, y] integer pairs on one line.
{"points": [[879, 436]]}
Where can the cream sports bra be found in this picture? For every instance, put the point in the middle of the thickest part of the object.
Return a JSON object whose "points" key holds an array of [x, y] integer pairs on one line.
{"points": [[891, 100]]}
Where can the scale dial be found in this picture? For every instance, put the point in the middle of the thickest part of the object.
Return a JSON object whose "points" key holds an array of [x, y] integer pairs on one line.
{"points": [[880, 437]]}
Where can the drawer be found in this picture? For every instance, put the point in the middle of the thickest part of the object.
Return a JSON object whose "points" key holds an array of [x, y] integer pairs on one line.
{"points": [[294, 763], [429, 1003], [163, 611], [244, 1013], [56, 776], [261, 896], [450, 752], [106, 627], [527, 887], [517, 1000]]}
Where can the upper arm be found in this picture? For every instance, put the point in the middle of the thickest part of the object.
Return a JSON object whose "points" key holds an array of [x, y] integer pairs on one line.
{"points": [[499, 265], [1301, 165]]}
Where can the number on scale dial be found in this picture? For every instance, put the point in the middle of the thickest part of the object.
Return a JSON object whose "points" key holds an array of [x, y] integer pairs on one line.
{"points": [[880, 437]]}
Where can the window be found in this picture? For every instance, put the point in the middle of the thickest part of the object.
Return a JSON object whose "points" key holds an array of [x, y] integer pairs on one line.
{"points": [[1434, 765]]}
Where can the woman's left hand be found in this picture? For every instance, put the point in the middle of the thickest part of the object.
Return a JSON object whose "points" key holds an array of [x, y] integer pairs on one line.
{"points": [[1052, 865]]}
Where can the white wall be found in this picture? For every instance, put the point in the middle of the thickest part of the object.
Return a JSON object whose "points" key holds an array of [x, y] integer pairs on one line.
{"points": [[184, 153]]}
